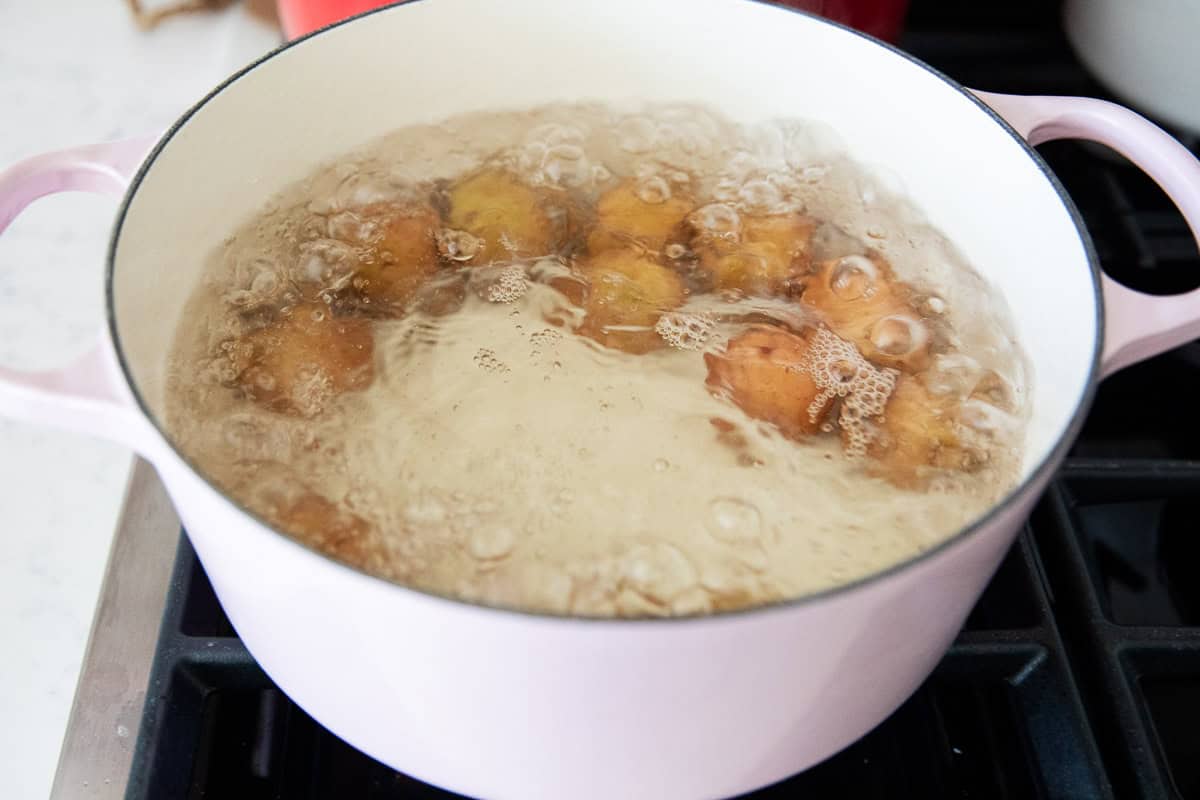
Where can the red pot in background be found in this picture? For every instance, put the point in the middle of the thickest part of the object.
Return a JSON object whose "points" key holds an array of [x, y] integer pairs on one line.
{"points": [[881, 18], [299, 17]]}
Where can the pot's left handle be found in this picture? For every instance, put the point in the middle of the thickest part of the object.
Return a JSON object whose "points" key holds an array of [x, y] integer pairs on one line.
{"points": [[87, 395], [1137, 325]]}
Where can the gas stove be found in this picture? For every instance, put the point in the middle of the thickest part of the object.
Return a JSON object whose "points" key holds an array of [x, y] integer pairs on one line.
{"points": [[1076, 676]]}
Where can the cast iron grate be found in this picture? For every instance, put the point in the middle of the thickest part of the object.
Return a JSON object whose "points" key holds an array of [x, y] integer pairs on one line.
{"points": [[1078, 673]]}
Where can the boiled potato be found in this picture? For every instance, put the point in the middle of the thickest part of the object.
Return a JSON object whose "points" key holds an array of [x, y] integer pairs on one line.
{"points": [[761, 371], [640, 214], [299, 362], [919, 435], [322, 525], [400, 254], [626, 294], [862, 301], [509, 218], [768, 255]]}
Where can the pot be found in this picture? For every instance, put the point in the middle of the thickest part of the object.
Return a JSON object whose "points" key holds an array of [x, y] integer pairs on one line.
{"points": [[504, 704]]}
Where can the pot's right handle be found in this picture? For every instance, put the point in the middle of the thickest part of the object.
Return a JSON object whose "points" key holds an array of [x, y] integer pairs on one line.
{"points": [[87, 395], [1137, 325]]}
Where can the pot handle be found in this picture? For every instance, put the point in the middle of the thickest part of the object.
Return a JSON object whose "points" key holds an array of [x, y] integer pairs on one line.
{"points": [[1137, 325], [87, 395]]}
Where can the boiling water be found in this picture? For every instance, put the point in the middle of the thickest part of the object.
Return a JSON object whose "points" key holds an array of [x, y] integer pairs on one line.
{"points": [[485, 449]]}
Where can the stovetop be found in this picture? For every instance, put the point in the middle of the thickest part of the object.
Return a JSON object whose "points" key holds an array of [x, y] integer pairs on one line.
{"points": [[1076, 676]]}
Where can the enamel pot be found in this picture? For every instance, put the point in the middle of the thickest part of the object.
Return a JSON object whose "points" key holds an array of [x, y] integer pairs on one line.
{"points": [[504, 704]]}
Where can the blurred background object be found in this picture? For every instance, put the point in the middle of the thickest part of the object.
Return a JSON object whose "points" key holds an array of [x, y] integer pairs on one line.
{"points": [[1144, 51], [299, 17], [148, 14], [881, 18]]}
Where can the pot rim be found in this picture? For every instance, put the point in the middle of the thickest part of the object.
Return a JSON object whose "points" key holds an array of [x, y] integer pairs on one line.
{"points": [[1048, 464]]}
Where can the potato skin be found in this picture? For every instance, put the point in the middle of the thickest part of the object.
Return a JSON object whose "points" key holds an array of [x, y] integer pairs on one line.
{"points": [[510, 217], [315, 521], [402, 256], [626, 294], [918, 437], [863, 302], [297, 363], [769, 257], [758, 372], [624, 219]]}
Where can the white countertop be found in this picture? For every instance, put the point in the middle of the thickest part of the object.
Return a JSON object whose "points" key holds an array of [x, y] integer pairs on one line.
{"points": [[71, 72]]}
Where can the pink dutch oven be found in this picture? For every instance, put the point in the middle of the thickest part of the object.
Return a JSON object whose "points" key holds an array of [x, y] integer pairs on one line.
{"points": [[512, 705]]}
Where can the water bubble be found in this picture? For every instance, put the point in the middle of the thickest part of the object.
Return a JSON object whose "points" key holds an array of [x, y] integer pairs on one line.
{"points": [[362, 189], [661, 465], [257, 282], [760, 195], [325, 261], [716, 220], [565, 165], [347, 227], [733, 521], [692, 601], [653, 190], [488, 361], [491, 543], [839, 370], [853, 277], [676, 251], [953, 373], [510, 285], [425, 510], [898, 334], [685, 331], [659, 571]]}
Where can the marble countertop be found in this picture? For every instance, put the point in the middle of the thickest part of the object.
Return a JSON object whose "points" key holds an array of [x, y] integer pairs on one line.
{"points": [[72, 72]]}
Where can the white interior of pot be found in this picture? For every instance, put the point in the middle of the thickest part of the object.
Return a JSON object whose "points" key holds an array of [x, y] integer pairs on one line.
{"points": [[427, 60]]}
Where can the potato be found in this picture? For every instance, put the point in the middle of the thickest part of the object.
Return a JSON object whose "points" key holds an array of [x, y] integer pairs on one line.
{"points": [[862, 301], [918, 436], [768, 256], [761, 371], [299, 362], [322, 525], [626, 215], [511, 219], [626, 294], [399, 256]]}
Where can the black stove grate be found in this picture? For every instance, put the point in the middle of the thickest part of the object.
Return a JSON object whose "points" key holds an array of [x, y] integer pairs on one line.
{"points": [[1078, 673]]}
